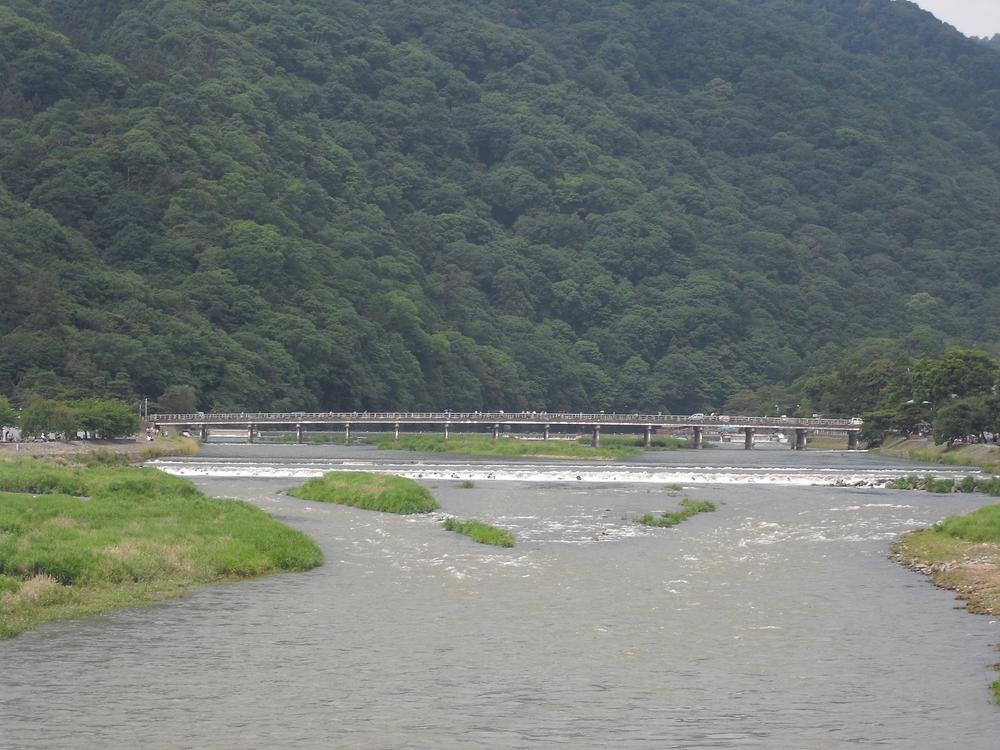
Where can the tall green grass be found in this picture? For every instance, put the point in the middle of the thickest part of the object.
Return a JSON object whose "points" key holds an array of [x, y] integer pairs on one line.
{"points": [[76, 542], [658, 442], [382, 492], [484, 445], [672, 518], [318, 438], [480, 532], [981, 525]]}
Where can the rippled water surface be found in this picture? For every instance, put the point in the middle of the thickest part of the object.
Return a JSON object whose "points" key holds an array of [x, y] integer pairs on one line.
{"points": [[775, 622]]}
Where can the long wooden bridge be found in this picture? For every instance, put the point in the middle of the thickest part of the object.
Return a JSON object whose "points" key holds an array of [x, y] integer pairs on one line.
{"points": [[498, 421]]}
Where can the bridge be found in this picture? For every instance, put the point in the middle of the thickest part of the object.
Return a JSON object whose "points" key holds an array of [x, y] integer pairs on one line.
{"points": [[499, 421]]}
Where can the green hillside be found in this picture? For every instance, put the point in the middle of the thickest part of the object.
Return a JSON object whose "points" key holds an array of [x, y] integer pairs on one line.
{"points": [[575, 204]]}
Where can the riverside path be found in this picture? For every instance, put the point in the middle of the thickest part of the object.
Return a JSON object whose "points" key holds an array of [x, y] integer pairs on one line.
{"points": [[498, 421]]}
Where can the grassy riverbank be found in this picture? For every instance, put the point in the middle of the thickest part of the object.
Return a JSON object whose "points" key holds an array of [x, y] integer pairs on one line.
{"points": [[961, 553], [106, 452], [658, 443], [77, 541], [360, 489], [986, 457], [484, 445], [480, 532], [689, 508]]}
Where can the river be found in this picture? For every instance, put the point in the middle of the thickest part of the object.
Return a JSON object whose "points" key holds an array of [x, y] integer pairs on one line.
{"points": [[776, 622]]}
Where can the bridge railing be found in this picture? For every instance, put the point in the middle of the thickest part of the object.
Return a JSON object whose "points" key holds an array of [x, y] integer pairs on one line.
{"points": [[527, 417]]}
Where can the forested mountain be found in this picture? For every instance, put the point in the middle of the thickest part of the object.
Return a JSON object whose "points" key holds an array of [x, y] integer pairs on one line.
{"points": [[580, 204]]}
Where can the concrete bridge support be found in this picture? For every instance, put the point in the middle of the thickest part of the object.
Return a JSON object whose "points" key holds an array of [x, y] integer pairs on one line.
{"points": [[298, 434], [699, 437], [647, 436], [595, 438], [250, 432], [495, 432], [800, 440], [395, 430], [748, 438], [852, 441], [545, 432], [347, 434], [204, 433], [447, 425]]}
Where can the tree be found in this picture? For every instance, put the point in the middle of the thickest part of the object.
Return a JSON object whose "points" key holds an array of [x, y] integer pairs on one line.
{"points": [[106, 419], [177, 399], [42, 416], [969, 416], [8, 414], [956, 373]]}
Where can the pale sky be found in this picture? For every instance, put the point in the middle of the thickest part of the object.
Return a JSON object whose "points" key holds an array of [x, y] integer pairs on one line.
{"points": [[971, 17]]}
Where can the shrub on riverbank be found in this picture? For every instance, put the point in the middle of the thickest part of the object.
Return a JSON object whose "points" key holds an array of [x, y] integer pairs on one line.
{"points": [[382, 492], [970, 483], [484, 445], [672, 518], [76, 542], [927, 483], [480, 532]]}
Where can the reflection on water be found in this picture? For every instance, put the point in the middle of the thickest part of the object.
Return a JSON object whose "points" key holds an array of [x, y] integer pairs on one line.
{"points": [[775, 622]]}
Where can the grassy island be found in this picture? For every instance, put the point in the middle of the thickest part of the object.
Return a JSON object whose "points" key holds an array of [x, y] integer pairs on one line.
{"points": [[382, 492], [961, 553], [672, 518], [77, 541], [481, 532]]}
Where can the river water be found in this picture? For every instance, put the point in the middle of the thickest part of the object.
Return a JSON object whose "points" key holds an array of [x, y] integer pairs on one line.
{"points": [[777, 621]]}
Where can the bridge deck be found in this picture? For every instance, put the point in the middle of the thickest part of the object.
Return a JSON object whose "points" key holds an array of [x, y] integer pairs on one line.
{"points": [[489, 419]]}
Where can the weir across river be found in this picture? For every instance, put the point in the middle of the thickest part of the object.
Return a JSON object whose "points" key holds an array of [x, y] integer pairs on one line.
{"points": [[499, 422]]}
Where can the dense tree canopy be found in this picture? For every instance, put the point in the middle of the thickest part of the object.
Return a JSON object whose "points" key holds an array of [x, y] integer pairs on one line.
{"points": [[580, 204]]}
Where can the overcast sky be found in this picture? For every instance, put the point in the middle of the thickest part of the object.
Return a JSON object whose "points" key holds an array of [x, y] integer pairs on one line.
{"points": [[971, 17]]}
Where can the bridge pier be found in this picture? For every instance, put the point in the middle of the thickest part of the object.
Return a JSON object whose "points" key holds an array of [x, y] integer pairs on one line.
{"points": [[298, 434], [852, 440], [446, 426], [699, 433], [204, 433], [647, 436], [250, 433], [395, 430], [545, 432], [495, 431], [595, 438], [347, 434], [800, 440], [748, 438]]}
